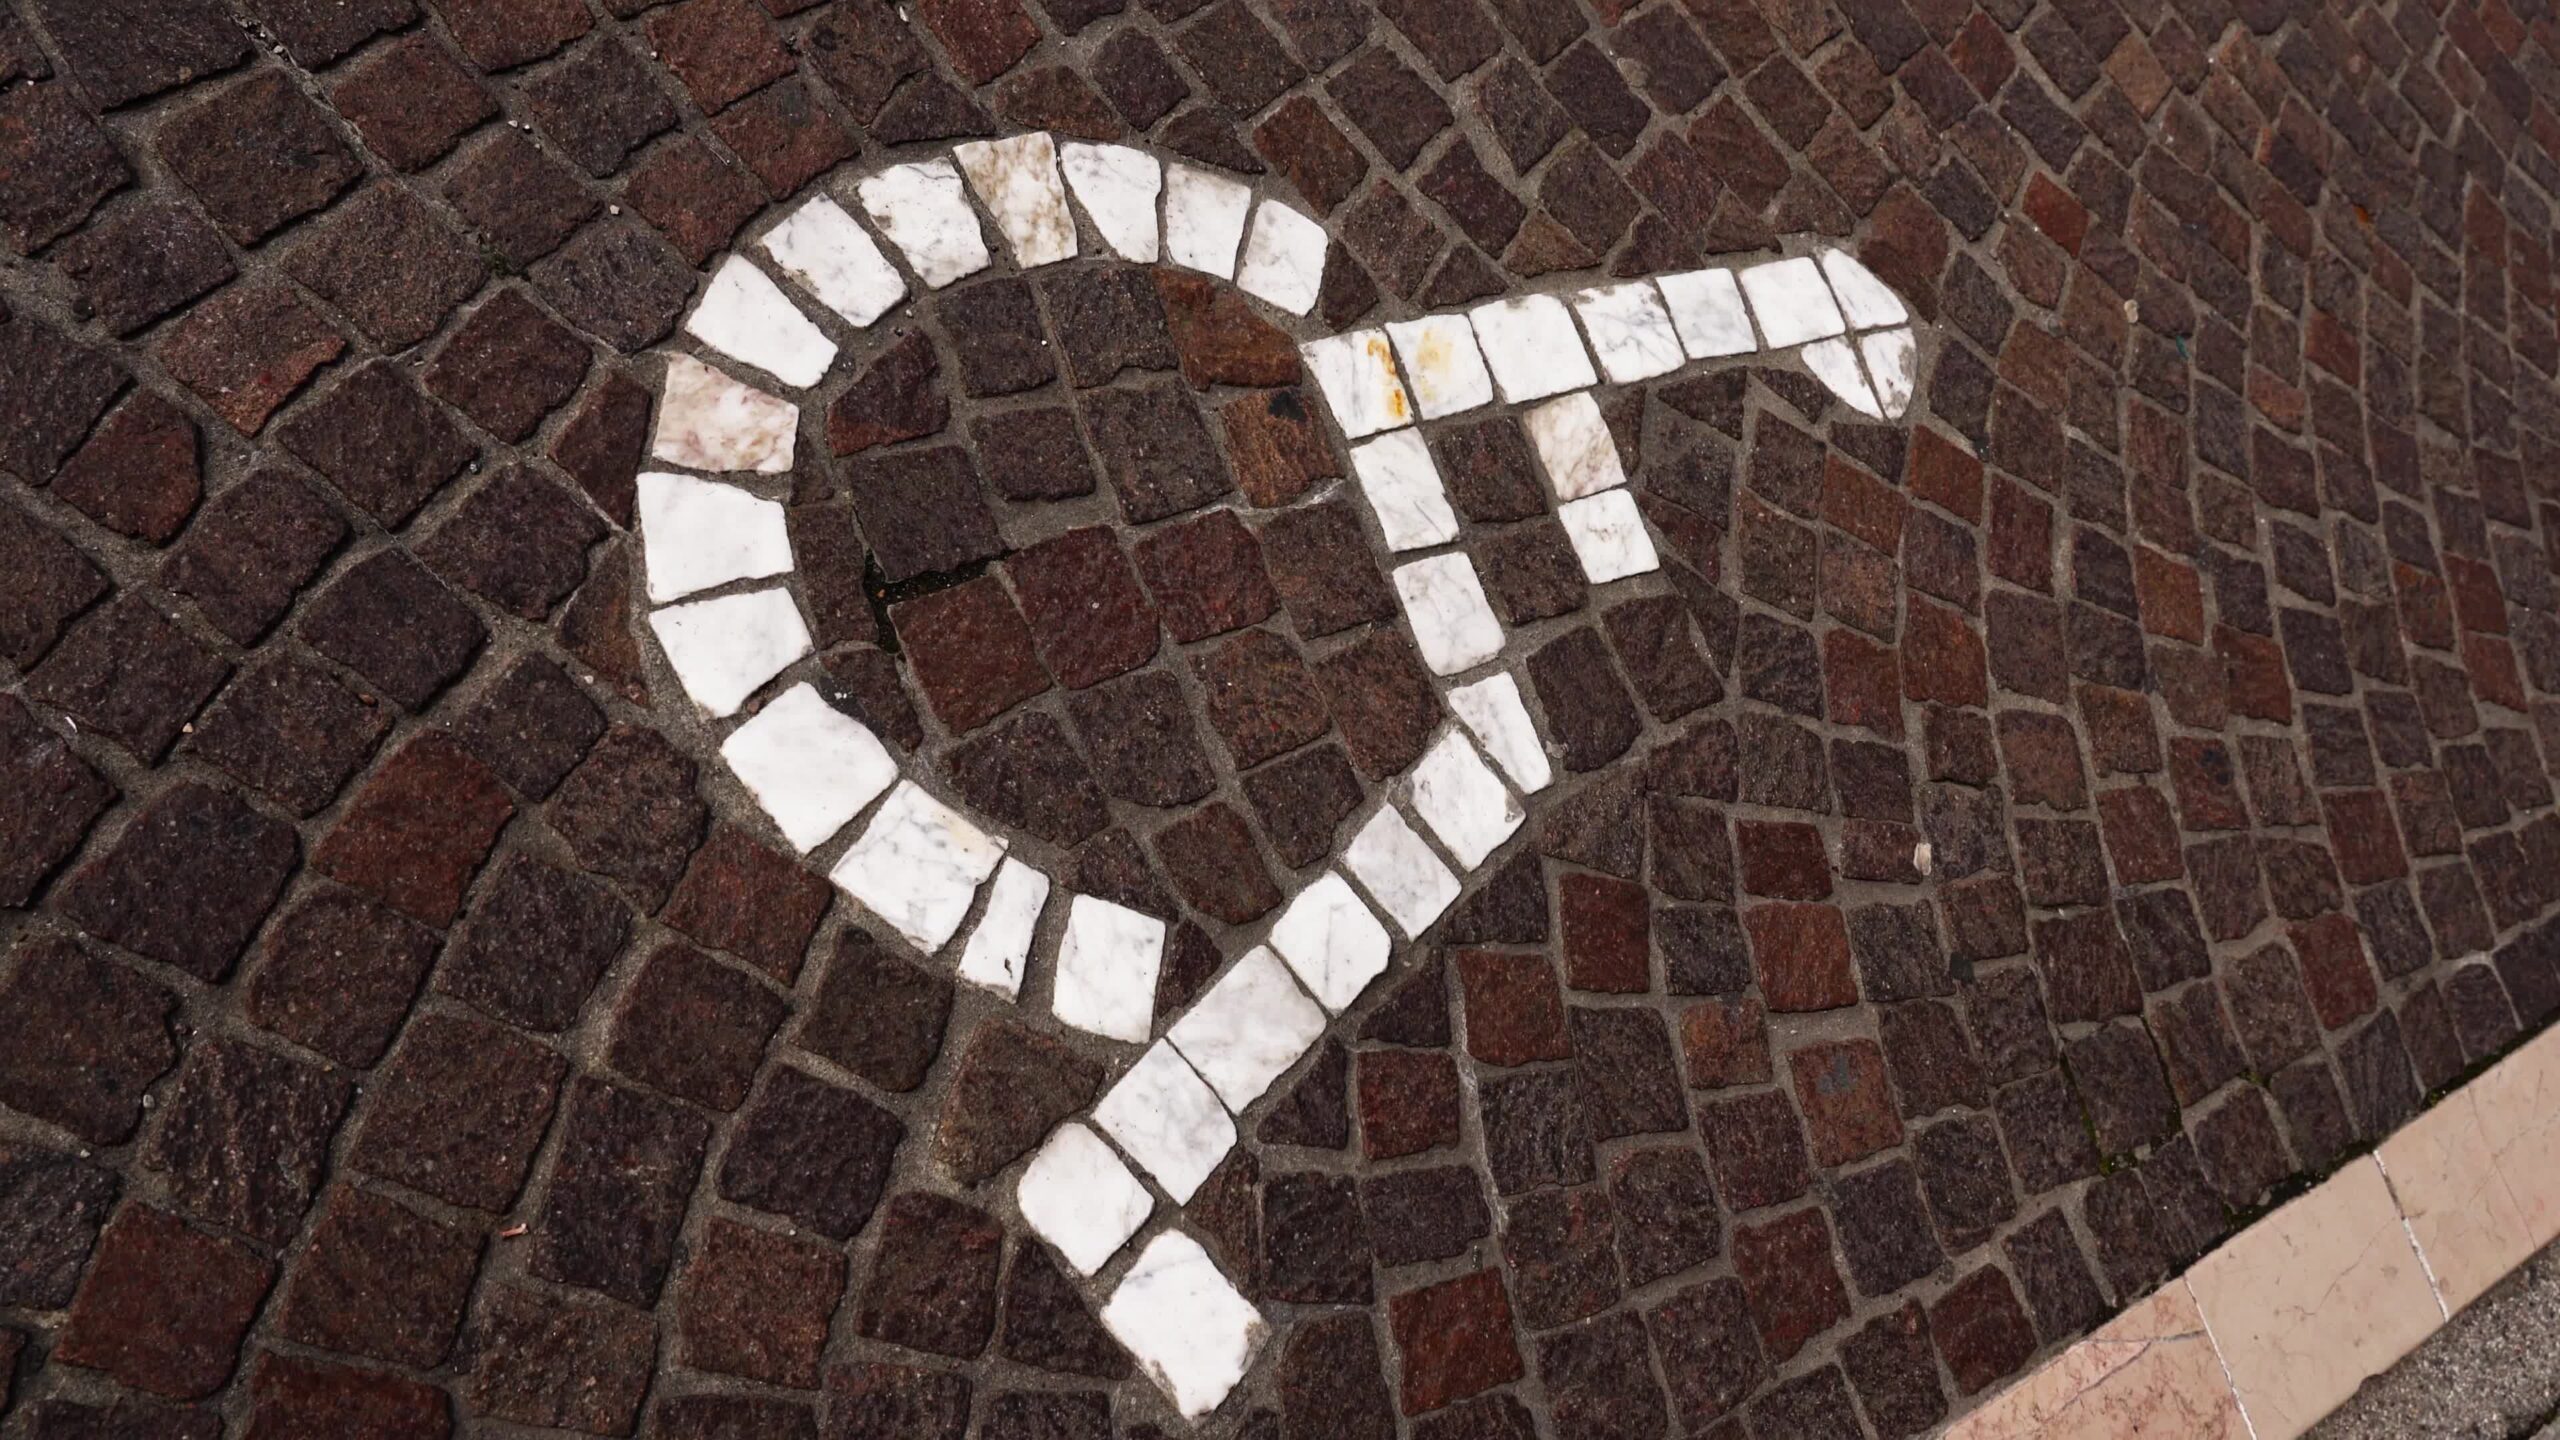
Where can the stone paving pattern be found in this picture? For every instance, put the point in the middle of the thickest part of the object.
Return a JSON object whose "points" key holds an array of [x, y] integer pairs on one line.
{"points": [[403, 1033]]}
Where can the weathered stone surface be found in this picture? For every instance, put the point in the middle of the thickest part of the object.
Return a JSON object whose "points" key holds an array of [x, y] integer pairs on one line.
{"points": [[57, 389], [1047, 1324], [289, 730], [1911, 1026], [139, 474], [165, 1306], [124, 50], [259, 155], [380, 1280], [390, 621], [187, 882], [629, 813], [812, 1151], [459, 1111], [531, 726], [60, 165], [874, 1400], [411, 101], [973, 653], [751, 900], [756, 1304], [1456, 1338], [417, 832], [245, 1137], [534, 946], [60, 795], [877, 1014], [571, 1362], [391, 263], [694, 1027], [49, 583], [617, 282], [131, 673], [620, 1187], [293, 1397], [57, 1201], [932, 1284], [250, 550]]}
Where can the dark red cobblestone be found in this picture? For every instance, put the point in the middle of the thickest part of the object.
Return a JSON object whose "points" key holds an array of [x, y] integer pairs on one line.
{"points": [[470, 1104], [381, 1281], [571, 1362], [165, 1305]]}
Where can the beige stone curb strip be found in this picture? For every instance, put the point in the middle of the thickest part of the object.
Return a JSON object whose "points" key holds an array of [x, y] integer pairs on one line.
{"points": [[2269, 1333]]}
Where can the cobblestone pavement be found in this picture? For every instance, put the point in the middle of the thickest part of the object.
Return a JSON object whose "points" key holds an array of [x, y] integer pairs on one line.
{"points": [[466, 968]]}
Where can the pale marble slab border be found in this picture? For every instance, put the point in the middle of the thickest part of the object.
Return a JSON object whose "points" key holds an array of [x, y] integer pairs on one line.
{"points": [[2266, 1335]]}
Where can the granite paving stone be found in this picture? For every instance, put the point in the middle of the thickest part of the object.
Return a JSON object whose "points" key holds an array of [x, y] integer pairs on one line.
{"points": [[166, 1306], [61, 1202], [557, 1360], [96, 1035], [467, 1104], [380, 1280]]}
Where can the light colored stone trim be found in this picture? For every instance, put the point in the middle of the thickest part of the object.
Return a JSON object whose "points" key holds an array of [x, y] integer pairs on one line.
{"points": [[2277, 1327]]}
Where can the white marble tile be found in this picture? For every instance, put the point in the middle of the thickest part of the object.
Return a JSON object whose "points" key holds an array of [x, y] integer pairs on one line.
{"points": [[1609, 537], [925, 212], [1441, 360], [810, 765], [1706, 308], [1835, 363], [1630, 331], [1453, 627], [708, 421], [1400, 872], [1118, 187], [1867, 301], [1893, 364], [695, 534], [1080, 1198], [1333, 944], [1249, 1028], [999, 950], [1574, 444], [1107, 964], [1283, 259], [1017, 180], [832, 257], [1184, 1324], [1403, 488], [1791, 302], [1358, 378], [1203, 218], [1169, 1121], [1532, 347], [1469, 810], [746, 317], [725, 649], [918, 866], [1491, 707]]}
